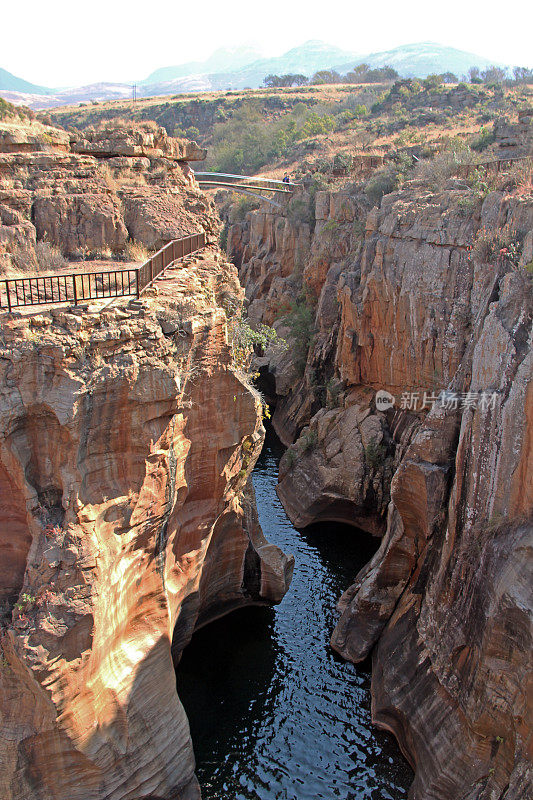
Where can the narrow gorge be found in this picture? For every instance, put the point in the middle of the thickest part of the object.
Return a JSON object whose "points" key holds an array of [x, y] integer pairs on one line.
{"points": [[407, 303], [390, 337]]}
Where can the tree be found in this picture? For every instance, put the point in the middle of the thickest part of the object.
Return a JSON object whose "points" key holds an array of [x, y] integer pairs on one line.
{"points": [[432, 82], [293, 80], [299, 80], [379, 75], [290, 79], [326, 76], [493, 75], [357, 74], [523, 75], [272, 81], [474, 75], [449, 77], [365, 139]]}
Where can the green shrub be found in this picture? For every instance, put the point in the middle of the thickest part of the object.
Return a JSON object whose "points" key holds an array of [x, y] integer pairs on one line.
{"points": [[333, 392], [467, 205], [241, 207], [497, 246], [316, 125], [358, 228], [25, 603], [342, 162], [245, 339], [331, 226], [9, 111], [301, 323], [301, 208], [290, 457], [375, 454], [382, 182], [485, 139], [308, 440], [223, 238]]}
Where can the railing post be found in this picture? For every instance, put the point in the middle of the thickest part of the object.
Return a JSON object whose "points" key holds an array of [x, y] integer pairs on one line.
{"points": [[137, 286], [8, 297], [74, 290]]}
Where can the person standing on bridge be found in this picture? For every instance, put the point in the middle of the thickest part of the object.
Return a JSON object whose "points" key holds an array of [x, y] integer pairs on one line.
{"points": [[286, 178]]}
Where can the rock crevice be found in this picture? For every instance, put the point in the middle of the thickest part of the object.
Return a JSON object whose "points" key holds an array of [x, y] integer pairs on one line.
{"points": [[404, 301]]}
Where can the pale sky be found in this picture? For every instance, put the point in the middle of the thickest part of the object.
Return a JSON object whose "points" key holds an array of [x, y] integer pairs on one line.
{"points": [[64, 43]]}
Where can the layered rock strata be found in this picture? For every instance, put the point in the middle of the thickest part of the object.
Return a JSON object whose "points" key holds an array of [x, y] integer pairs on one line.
{"points": [[421, 298], [92, 195], [127, 520]]}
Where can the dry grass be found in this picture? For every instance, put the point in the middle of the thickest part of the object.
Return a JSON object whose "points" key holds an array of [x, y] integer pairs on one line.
{"points": [[109, 179], [27, 260], [136, 251], [518, 179], [49, 257], [437, 170], [22, 261]]}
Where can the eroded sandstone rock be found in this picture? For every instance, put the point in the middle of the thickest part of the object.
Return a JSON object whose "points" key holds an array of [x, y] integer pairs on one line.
{"points": [[126, 520], [445, 604], [134, 139], [93, 193]]}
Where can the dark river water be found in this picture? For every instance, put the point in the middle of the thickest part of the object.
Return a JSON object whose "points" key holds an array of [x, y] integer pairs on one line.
{"points": [[274, 714]]}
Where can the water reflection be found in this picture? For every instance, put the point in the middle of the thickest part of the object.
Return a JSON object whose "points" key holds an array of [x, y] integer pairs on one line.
{"points": [[274, 714]]}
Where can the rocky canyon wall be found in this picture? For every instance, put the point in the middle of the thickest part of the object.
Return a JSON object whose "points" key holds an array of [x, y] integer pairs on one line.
{"points": [[127, 517], [90, 195], [422, 298]]}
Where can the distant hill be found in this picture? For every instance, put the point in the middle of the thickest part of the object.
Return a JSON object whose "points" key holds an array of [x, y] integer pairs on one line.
{"points": [[239, 68], [222, 60], [410, 60], [421, 59], [306, 59], [197, 76], [11, 83]]}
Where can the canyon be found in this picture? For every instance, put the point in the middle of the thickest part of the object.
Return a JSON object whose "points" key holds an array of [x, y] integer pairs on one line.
{"points": [[399, 300], [400, 383]]}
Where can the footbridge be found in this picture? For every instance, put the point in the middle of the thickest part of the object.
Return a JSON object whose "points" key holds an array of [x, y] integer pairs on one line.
{"points": [[245, 184]]}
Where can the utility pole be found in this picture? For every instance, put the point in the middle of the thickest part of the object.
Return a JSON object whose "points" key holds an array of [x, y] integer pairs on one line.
{"points": [[134, 88]]}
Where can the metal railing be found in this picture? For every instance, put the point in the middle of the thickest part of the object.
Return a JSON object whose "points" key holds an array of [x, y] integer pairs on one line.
{"points": [[76, 287], [249, 181], [495, 165]]}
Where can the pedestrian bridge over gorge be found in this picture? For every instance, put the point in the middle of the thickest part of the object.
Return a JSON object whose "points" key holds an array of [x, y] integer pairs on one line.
{"points": [[245, 184]]}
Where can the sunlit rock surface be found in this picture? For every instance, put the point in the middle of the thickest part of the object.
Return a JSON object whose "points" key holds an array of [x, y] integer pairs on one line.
{"points": [[126, 520], [91, 194]]}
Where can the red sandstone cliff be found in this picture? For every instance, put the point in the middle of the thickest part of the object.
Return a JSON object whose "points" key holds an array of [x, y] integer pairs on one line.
{"points": [[91, 194], [127, 518], [404, 304]]}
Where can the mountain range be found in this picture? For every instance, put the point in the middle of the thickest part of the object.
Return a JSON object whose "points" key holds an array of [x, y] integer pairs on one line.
{"points": [[245, 67]]}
